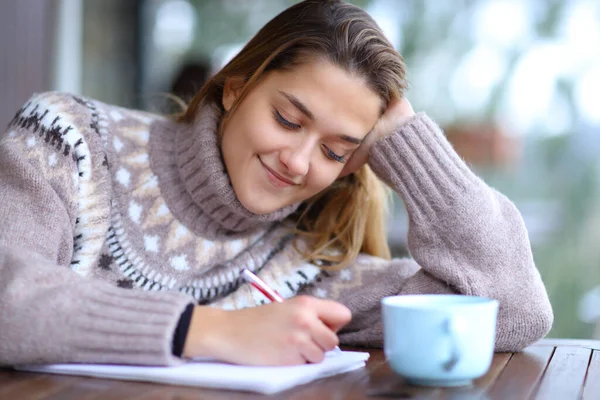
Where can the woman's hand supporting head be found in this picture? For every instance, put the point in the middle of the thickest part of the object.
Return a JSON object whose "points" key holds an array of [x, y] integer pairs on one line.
{"points": [[294, 332], [397, 113]]}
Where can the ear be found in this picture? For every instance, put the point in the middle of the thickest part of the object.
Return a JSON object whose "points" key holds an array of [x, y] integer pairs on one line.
{"points": [[231, 91]]}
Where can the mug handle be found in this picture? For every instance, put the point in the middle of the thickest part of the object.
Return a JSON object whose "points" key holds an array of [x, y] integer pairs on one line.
{"points": [[451, 328]]}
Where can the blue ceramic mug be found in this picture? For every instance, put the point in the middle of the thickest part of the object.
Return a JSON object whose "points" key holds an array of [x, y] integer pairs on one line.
{"points": [[439, 340]]}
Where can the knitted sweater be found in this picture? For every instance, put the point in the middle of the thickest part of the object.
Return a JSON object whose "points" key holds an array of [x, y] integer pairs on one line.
{"points": [[114, 220]]}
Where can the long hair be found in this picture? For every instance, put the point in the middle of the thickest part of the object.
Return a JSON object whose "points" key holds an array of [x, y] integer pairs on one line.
{"points": [[348, 217]]}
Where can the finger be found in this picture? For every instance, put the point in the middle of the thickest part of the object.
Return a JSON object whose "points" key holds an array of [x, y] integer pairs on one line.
{"points": [[323, 336], [294, 356], [312, 352], [333, 314], [398, 111], [406, 107]]}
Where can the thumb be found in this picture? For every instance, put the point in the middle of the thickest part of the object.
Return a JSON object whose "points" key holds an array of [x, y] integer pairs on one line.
{"points": [[360, 156], [397, 112]]}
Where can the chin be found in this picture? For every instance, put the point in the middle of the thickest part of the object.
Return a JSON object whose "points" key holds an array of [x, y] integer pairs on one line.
{"points": [[258, 206], [258, 210]]}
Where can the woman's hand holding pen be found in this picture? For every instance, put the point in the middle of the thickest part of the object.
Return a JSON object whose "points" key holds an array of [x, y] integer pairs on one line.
{"points": [[293, 332], [398, 112]]}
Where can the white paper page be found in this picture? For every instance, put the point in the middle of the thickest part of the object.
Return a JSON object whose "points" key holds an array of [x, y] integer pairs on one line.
{"points": [[213, 374]]}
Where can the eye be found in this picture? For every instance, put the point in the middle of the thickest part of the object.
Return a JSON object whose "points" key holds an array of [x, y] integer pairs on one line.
{"points": [[330, 154], [284, 122]]}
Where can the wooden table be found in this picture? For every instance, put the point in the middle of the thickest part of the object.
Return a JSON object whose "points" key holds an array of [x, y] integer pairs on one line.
{"points": [[551, 369]]}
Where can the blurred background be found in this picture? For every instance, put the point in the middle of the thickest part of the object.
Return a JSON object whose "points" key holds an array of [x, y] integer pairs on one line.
{"points": [[514, 83]]}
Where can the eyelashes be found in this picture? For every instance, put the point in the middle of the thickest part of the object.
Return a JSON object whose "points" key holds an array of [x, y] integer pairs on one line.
{"points": [[294, 127], [334, 156], [284, 122]]}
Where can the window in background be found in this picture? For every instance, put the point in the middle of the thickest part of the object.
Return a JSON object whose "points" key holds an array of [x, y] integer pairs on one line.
{"points": [[111, 55]]}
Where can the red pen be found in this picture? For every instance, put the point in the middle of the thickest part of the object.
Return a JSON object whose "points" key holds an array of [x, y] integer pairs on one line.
{"points": [[269, 293], [261, 286]]}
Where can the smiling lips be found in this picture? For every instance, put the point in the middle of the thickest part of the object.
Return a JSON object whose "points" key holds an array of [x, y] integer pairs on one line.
{"points": [[276, 179]]}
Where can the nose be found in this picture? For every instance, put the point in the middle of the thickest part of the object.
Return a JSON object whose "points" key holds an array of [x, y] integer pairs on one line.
{"points": [[297, 157]]}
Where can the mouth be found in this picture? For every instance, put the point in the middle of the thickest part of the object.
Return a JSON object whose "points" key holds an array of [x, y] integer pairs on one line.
{"points": [[276, 179]]}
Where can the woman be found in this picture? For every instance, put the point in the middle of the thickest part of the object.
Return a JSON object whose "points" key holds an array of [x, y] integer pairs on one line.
{"points": [[124, 233]]}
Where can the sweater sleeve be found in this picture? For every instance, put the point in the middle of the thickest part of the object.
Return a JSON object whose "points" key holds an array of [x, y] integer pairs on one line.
{"points": [[463, 236], [49, 312]]}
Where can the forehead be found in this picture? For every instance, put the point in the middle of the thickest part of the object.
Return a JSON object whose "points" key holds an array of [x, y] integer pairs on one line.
{"points": [[341, 102]]}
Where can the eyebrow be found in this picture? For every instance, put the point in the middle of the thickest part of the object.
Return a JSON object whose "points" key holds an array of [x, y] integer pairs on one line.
{"points": [[304, 110], [298, 104]]}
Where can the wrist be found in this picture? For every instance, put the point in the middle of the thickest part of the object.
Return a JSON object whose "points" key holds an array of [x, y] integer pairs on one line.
{"points": [[203, 336]]}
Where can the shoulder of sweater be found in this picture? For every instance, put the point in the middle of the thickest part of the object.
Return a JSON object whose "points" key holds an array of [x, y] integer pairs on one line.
{"points": [[81, 112], [63, 105], [64, 121], [119, 114], [57, 113], [73, 119]]}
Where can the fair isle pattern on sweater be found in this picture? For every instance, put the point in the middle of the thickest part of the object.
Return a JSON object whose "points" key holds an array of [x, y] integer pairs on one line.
{"points": [[51, 121], [133, 239]]}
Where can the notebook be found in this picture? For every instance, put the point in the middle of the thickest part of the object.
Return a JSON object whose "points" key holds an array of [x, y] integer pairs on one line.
{"points": [[218, 375]]}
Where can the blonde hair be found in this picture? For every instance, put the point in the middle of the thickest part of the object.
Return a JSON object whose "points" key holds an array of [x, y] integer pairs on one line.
{"points": [[348, 217]]}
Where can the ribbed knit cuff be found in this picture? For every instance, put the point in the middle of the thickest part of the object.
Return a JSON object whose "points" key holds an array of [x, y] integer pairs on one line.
{"points": [[182, 329], [114, 325], [420, 164]]}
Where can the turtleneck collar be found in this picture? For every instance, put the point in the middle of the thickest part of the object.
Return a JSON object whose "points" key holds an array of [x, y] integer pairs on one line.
{"points": [[194, 181]]}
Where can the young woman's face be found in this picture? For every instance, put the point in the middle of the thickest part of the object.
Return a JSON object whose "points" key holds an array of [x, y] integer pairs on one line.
{"points": [[292, 133]]}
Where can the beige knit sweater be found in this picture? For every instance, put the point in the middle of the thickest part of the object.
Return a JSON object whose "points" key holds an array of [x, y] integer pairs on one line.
{"points": [[113, 220]]}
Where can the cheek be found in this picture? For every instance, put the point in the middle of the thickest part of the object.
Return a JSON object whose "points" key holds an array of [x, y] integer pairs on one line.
{"points": [[252, 132], [322, 177], [237, 140]]}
